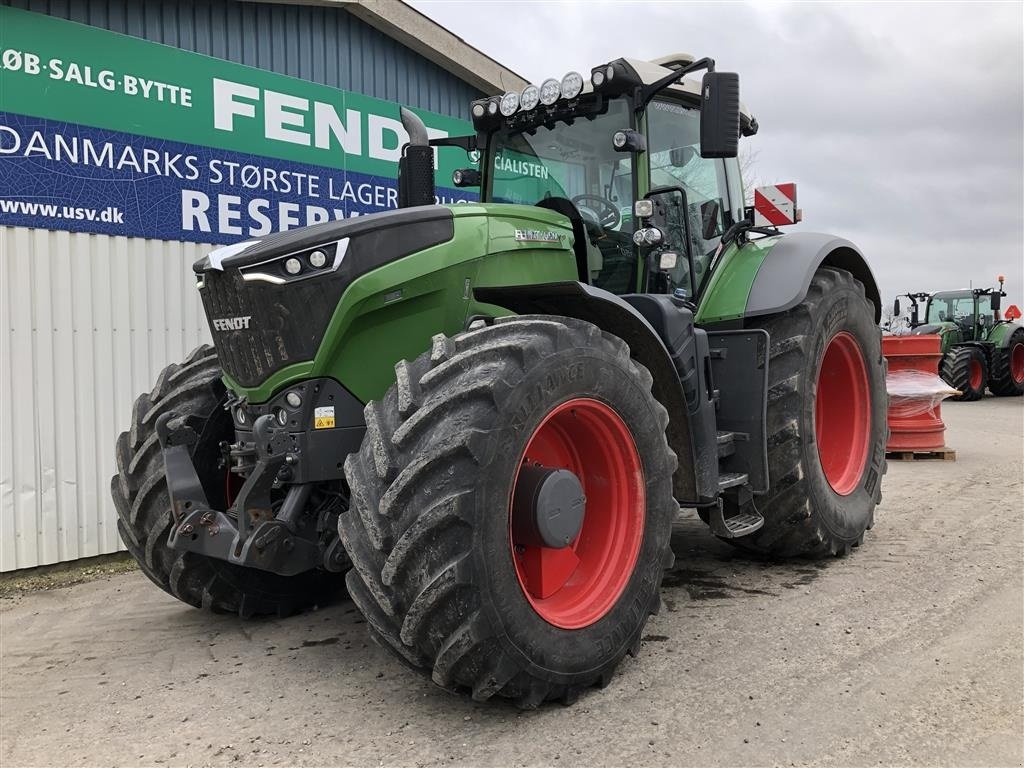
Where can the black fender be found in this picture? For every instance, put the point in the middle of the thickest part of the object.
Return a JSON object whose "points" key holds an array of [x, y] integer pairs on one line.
{"points": [[612, 314], [785, 275]]}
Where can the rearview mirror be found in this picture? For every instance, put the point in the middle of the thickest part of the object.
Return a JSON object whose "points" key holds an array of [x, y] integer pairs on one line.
{"points": [[996, 302], [720, 114], [896, 308], [679, 157]]}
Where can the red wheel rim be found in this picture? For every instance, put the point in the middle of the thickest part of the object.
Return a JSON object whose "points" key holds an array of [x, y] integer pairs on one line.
{"points": [[575, 586], [1017, 363], [975, 374], [842, 414]]}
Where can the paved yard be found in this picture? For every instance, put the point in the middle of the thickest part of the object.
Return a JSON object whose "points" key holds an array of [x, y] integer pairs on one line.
{"points": [[909, 652]]}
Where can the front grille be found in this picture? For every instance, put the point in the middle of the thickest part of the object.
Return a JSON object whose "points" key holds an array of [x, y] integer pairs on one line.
{"points": [[286, 322]]}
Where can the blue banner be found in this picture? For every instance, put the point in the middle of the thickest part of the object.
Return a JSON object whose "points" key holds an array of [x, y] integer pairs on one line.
{"points": [[64, 176]]}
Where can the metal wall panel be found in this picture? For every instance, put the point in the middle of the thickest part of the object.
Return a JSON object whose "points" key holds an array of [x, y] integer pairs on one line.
{"points": [[316, 43], [87, 323]]}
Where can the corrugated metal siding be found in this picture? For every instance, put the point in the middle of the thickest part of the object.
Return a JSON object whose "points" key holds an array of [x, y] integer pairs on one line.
{"points": [[323, 45], [88, 321]]}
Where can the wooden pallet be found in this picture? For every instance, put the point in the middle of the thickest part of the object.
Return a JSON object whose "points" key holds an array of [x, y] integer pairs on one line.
{"points": [[942, 454]]}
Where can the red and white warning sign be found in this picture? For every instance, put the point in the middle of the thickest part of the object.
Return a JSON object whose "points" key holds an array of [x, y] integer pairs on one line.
{"points": [[775, 205]]}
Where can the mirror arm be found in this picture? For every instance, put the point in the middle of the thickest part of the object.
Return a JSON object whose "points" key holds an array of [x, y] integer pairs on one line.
{"points": [[648, 92], [467, 143]]}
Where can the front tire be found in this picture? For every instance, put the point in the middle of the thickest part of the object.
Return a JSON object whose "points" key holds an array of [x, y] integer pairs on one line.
{"points": [[143, 503], [439, 571], [1007, 375], [826, 423], [965, 369]]}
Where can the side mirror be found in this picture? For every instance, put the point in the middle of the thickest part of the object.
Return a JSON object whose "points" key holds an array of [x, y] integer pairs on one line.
{"points": [[720, 115], [710, 221], [996, 301], [896, 308]]}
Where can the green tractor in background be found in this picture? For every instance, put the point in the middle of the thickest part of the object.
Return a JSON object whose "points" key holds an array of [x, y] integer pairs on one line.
{"points": [[979, 348], [488, 415]]}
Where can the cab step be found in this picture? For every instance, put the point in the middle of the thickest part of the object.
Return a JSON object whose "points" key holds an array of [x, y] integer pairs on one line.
{"points": [[731, 480], [741, 524], [726, 444]]}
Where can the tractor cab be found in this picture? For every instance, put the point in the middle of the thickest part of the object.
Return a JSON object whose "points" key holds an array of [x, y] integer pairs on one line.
{"points": [[640, 160]]}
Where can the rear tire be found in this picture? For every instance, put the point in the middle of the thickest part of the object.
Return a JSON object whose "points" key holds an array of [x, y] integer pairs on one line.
{"points": [[1007, 375], [966, 370], [825, 464], [143, 503], [429, 531]]}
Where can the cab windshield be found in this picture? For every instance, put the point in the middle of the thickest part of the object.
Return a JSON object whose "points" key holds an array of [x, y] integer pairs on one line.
{"points": [[951, 307], [576, 161]]}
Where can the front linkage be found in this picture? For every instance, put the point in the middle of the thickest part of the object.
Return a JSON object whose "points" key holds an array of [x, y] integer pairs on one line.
{"points": [[258, 529]]}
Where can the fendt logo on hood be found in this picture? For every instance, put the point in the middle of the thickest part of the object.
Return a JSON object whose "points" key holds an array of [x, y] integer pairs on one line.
{"points": [[231, 323]]}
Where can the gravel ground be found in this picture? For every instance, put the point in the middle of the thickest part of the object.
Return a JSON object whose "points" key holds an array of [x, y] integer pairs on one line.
{"points": [[908, 652]]}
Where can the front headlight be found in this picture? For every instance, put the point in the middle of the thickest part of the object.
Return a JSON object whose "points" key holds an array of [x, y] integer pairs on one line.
{"points": [[298, 265]]}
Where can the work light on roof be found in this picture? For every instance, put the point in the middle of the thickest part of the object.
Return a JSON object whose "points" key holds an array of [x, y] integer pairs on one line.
{"points": [[479, 108], [550, 90], [572, 85], [492, 106], [529, 98], [509, 103]]}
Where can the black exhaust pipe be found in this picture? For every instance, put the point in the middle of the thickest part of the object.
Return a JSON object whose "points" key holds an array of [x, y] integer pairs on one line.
{"points": [[416, 166]]}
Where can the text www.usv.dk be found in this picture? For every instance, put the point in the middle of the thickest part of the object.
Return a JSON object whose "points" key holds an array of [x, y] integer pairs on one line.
{"points": [[110, 214]]}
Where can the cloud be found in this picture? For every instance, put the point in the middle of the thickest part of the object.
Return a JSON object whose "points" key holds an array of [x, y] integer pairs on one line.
{"points": [[900, 123]]}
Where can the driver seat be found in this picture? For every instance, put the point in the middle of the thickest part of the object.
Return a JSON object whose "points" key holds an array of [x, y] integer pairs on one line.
{"points": [[589, 260]]}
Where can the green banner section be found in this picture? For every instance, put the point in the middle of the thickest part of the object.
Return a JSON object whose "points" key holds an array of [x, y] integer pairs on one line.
{"points": [[74, 73]]}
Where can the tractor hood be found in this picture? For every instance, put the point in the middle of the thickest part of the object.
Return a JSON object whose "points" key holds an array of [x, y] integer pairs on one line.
{"points": [[269, 302]]}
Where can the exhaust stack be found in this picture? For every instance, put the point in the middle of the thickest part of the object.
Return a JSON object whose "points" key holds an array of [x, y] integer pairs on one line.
{"points": [[416, 166]]}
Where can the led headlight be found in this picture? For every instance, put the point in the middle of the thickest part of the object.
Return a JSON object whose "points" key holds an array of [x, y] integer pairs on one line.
{"points": [[619, 139], [572, 85], [550, 90], [293, 399], [240, 415], [652, 235], [647, 236], [642, 209], [529, 98], [293, 266], [509, 103], [317, 259], [282, 416]]}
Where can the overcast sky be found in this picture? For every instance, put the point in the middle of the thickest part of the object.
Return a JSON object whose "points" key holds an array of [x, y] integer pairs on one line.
{"points": [[900, 123]]}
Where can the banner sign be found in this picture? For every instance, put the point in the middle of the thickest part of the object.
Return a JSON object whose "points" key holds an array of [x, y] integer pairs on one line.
{"points": [[101, 132]]}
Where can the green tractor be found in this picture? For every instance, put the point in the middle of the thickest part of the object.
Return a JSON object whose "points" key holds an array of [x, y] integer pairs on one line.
{"points": [[484, 418], [979, 348]]}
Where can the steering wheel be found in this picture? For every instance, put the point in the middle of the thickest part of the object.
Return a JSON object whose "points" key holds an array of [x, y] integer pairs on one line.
{"points": [[607, 214]]}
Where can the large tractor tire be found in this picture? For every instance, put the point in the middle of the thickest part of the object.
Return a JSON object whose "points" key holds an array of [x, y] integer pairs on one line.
{"points": [[144, 505], [827, 425], [1007, 376], [966, 370], [458, 477]]}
